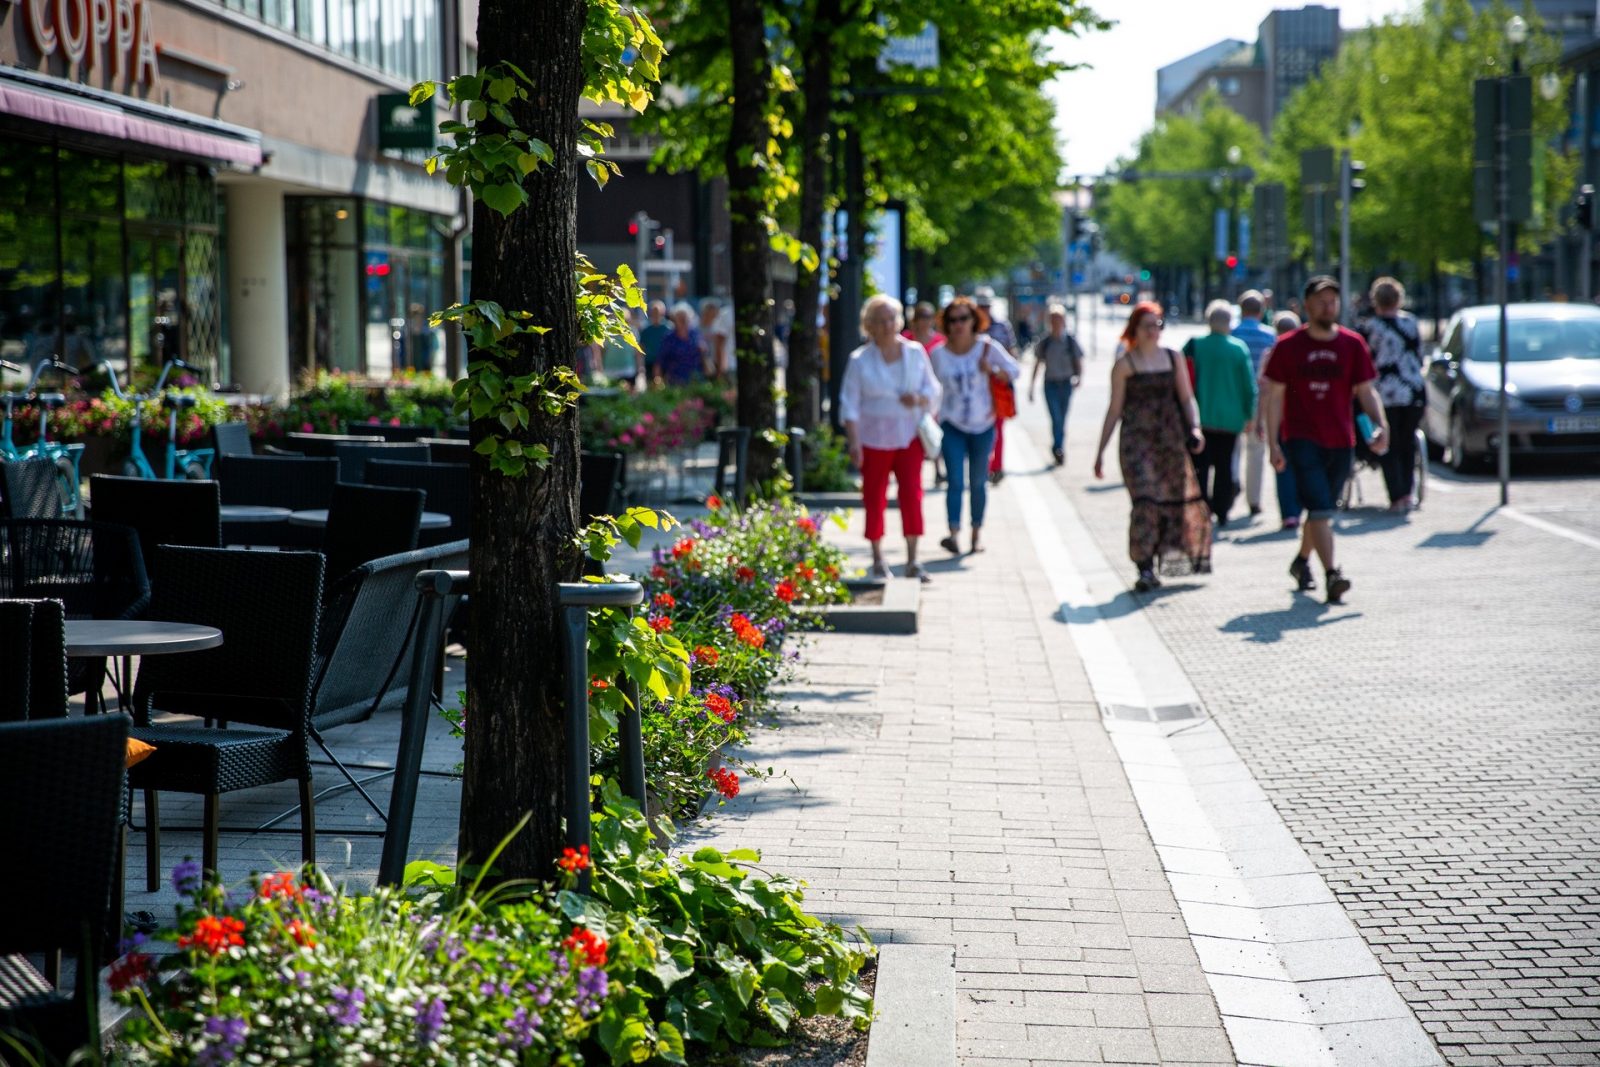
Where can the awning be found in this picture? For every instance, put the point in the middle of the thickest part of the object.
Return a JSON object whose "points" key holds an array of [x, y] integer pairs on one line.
{"points": [[110, 120]]}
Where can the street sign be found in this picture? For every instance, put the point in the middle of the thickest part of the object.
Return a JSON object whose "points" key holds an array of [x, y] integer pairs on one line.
{"points": [[1316, 168], [1244, 238], [1219, 233], [1517, 146], [669, 266], [402, 124], [1077, 277]]}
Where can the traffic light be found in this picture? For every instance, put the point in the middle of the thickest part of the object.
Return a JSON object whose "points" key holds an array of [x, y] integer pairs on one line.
{"points": [[1357, 182], [633, 227], [1231, 262], [1144, 275], [1583, 207]]}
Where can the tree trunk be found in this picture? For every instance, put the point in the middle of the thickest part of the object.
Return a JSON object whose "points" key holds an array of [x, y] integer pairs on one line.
{"points": [[752, 267], [802, 380], [523, 527]]}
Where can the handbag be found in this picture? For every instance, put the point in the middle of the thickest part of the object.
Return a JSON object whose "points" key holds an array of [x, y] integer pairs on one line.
{"points": [[1002, 394], [928, 429]]}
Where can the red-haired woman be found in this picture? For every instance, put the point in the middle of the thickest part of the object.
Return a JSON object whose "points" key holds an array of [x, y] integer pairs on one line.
{"points": [[1170, 528]]}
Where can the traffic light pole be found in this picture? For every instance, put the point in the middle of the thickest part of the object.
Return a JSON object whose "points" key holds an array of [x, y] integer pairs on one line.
{"points": [[1503, 209], [1345, 176]]}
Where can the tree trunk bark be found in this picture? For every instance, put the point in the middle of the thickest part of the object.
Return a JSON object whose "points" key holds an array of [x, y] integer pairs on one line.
{"points": [[802, 380], [751, 259], [523, 527]]}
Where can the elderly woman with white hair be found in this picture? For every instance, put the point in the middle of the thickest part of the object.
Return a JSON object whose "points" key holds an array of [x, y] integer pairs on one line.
{"points": [[887, 388], [678, 354]]}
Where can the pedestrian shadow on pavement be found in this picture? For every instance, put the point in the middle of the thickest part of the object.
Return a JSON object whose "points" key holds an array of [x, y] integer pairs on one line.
{"points": [[1471, 537], [1363, 521], [1266, 536], [1268, 627], [1104, 487], [1124, 603]]}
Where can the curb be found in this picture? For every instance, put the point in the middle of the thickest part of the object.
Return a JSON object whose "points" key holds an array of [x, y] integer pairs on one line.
{"points": [[897, 614], [915, 1001]]}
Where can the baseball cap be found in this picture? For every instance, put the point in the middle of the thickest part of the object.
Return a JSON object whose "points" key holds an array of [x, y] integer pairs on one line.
{"points": [[1319, 282], [983, 296]]}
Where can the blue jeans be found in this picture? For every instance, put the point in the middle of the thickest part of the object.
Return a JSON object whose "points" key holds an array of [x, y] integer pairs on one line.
{"points": [[1057, 396], [1288, 498], [1319, 475], [966, 455]]}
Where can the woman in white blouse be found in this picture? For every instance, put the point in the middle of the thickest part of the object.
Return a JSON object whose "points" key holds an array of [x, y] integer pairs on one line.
{"points": [[964, 365], [886, 389]]}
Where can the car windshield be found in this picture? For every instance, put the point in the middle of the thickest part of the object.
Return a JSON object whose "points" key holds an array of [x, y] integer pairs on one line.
{"points": [[1533, 340]]}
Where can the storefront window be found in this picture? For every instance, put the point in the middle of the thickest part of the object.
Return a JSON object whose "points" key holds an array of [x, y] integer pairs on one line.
{"points": [[30, 276], [399, 37], [405, 282], [325, 290]]}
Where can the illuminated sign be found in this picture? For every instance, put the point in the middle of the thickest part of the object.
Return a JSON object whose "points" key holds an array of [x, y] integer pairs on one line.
{"points": [[89, 32]]}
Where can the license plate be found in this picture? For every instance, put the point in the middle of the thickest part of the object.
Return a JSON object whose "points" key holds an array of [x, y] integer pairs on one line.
{"points": [[1575, 424]]}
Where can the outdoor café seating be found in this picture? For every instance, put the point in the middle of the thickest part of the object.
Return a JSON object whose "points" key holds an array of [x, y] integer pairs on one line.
{"points": [[163, 511], [33, 663], [448, 488], [29, 489], [366, 522]]}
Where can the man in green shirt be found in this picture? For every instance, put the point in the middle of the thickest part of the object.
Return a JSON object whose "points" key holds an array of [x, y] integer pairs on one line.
{"points": [[1225, 386]]}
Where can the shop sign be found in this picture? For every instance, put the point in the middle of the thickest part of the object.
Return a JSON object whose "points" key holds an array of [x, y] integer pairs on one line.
{"points": [[402, 124], [89, 32]]}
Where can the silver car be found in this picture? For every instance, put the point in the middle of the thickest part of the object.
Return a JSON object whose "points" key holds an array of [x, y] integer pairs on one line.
{"points": [[1552, 383]]}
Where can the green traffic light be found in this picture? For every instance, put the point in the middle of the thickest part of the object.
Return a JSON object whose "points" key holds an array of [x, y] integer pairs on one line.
{"points": [[1144, 276]]}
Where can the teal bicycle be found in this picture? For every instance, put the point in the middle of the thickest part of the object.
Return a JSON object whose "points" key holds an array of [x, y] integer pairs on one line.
{"points": [[194, 463], [68, 458]]}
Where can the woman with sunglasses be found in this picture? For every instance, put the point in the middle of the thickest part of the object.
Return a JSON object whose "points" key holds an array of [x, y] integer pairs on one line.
{"points": [[1170, 527], [965, 363]]}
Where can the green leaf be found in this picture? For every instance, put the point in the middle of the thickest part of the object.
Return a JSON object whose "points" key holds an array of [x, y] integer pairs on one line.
{"points": [[503, 197], [598, 172], [422, 91], [669, 1043], [502, 89]]}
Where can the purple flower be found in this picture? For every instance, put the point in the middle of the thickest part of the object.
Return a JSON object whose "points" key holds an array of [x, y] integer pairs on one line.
{"points": [[521, 1028], [430, 1021], [186, 877], [229, 1034], [592, 988], [347, 1006]]}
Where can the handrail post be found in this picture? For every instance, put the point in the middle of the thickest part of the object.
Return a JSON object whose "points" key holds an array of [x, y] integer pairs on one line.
{"points": [[432, 587], [576, 599]]}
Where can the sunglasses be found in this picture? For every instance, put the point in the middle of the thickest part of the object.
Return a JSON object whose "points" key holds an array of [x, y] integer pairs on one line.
{"points": [[953, 319], [1157, 323]]}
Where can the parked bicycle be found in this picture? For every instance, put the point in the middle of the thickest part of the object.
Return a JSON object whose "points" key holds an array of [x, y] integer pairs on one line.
{"points": [[194, 463], [68, 458]]}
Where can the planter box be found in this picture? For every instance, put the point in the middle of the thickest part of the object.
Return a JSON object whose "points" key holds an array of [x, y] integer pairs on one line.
{"points": [[878, 606], [829, 501]]}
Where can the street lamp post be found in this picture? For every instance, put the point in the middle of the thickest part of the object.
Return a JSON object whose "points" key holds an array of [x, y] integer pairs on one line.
{"points": [[1516, 34]]}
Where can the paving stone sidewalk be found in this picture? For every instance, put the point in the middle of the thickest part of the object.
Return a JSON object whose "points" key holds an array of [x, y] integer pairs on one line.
{"points": [[1432, 745], [956, 787]]}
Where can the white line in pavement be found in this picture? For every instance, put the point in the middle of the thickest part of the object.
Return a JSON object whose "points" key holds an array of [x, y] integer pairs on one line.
{"points": [[1285, 963], [1549, 527]]}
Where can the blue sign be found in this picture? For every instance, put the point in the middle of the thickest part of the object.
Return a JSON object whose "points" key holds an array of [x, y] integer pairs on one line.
{"points": [[1220, 233], [1077, 277], [1244, 239]]}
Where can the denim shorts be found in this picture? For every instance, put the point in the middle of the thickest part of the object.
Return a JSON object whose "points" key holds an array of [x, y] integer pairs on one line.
{"points": [[1319, 474]]}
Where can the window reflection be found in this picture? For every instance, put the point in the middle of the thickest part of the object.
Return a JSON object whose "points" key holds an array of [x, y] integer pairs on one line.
{"points": [[399, 37]]}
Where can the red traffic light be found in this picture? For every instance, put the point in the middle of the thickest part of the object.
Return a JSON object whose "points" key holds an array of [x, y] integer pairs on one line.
{"points": [[633, 228], [1232, 262]]}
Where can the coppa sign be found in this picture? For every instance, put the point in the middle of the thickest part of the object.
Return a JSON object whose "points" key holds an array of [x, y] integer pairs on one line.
{"points": [[85, 30]]}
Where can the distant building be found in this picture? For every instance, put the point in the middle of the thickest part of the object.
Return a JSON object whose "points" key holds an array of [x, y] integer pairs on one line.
{"points": [[1294, 44], [1174, 79], [1239, 79], [1571, 20]]}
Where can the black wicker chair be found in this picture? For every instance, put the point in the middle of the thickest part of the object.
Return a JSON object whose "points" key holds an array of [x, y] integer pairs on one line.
{"points": [[599, 484], [448, 450], [298, 483], [33, 660], [61, 791], [232, 439], [367, 522], [322, 444], [94, 568], [353, 456], [402, 434], [267, 606], [163, 512], [449, 490], [29, 489]]}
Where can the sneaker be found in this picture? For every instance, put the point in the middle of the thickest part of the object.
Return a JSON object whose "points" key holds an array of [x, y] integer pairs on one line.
{"points": [[1147, 581], [1255, 509], [1059, 456], [995, 477], [1338, 586], [1300, 571]]}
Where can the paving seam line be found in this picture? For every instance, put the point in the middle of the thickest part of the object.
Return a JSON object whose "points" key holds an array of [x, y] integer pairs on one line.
{"points": [[1293, 979]]}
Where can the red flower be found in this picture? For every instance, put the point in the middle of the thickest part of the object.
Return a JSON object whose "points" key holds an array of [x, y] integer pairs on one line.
{"points": [[598, 684], [807, 525], [806, 572], [754, 638], [131, 969], [660, 623], [745, 574], [738, 621], [658, 572], [574, 860], [714, 502], [591, 947], [683, 548], [726, 781], [665, 601], [302, 933], [831, 571], [784, 591], [214, 933], [280, 885], [707, 655], [721, 707]]}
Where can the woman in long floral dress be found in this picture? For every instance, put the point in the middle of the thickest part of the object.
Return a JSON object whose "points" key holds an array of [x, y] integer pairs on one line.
{"points": [[1169, 530]]}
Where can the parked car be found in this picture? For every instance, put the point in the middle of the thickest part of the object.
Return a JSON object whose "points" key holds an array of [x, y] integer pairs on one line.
{"points": [[1552, 383]]}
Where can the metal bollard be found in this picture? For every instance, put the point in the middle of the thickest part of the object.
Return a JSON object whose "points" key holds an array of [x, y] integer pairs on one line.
{"points": [[432, 587], [797, 458], [734, 440], [576, 600]]}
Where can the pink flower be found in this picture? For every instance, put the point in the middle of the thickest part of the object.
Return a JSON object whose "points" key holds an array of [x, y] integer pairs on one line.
{"points": [[626, 439], [306, 427], [395, 421], [647, 418]]}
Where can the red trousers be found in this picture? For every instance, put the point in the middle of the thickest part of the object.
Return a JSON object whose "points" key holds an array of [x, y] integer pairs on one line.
{"points": [[906, 465], [996, 459]]}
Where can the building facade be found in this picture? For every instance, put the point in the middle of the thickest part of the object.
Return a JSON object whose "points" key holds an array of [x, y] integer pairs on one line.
{"points": [[1240, 82], [1294, 44], [204, 178], [1174, 79]]}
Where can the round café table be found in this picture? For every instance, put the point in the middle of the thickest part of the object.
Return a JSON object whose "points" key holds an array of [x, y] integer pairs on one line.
{"points": [[126, 638], [431, 520], [253, 513]]}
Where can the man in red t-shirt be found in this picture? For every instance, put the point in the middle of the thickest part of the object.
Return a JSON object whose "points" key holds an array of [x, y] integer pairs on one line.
{"points": [[1312, 375]]}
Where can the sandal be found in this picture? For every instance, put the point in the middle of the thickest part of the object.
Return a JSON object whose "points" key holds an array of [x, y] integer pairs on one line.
{"points": [[879, 570], [950, 545], [915, 571]]}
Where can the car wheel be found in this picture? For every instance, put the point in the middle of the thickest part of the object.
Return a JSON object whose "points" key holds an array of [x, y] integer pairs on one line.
{"points": [[1461, 461]]}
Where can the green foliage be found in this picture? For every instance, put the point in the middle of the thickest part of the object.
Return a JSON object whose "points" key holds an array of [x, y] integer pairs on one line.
{"points": [[1400, 97], [736, 957], [648, 423], [828, 462], [1163, 222]]}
